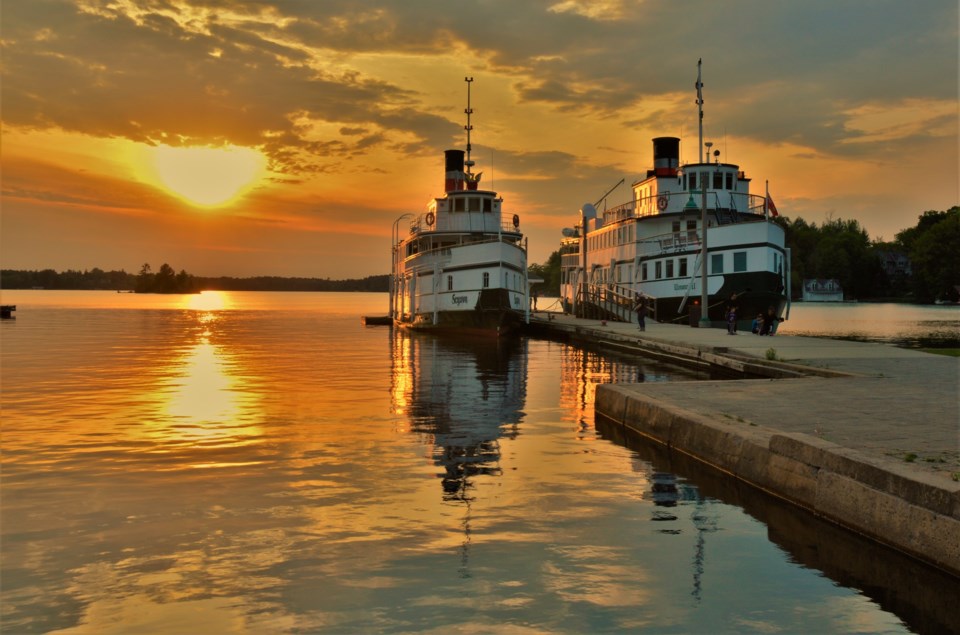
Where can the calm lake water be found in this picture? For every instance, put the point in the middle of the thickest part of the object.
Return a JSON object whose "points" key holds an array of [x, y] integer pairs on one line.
{"points": [[901, 324], [263, 463]]}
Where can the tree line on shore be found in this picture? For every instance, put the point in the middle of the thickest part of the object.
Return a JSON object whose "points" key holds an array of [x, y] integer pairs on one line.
{"points": [[166, 280]]}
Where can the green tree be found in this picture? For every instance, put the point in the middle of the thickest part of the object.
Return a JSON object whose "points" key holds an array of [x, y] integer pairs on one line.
{"points": [[550, 273], [934, 248], [838, 249]]}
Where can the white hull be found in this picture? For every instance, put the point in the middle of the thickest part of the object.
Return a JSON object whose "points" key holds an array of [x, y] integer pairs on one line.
{"points": [[479, 286]]}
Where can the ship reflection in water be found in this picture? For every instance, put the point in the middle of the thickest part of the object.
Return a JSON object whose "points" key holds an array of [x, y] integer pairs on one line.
{"points": [[464, 399]]}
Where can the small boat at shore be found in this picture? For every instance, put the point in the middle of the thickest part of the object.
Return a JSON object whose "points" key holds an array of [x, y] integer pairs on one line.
{"points": [[679, 219], [461, 265]]}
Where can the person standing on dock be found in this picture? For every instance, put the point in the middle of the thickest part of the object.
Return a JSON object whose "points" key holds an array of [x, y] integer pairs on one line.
{"points": [[732, 321], [533, 295], [640, 306], [732, 315]]}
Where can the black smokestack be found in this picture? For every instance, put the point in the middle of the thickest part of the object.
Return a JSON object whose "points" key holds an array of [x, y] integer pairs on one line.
{"points": [[666, 156], [454, 177]]}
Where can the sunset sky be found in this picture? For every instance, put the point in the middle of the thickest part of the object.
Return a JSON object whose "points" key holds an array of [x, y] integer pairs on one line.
{"points": [[241, 138]]}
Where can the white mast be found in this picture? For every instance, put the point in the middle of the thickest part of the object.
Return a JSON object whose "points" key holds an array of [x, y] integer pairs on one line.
{"points": [[468, 127], [699, 86]]}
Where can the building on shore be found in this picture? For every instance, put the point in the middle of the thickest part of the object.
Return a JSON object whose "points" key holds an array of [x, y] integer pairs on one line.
{"points": [[822, 290]]}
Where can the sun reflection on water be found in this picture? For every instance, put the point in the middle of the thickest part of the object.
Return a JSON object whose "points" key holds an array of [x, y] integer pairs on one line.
{"points": [[205, 400], [210, 301]]}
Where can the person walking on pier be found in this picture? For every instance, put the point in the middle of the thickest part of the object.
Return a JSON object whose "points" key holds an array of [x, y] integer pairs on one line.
{"points": [[640, 306]]}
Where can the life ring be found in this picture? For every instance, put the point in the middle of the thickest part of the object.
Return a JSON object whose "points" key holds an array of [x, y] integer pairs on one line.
{"points": [[662, 202], [430, 218], [516, 221]]}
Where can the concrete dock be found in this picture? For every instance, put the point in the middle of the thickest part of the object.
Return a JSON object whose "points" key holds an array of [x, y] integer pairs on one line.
{"points": [[865, 435]]}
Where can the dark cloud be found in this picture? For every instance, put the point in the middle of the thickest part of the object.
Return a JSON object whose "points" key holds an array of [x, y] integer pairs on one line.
{"points": [[248, 72]]}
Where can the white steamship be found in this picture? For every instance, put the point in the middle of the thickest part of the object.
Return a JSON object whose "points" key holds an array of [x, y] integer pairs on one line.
{"points": [[461, 265], [678, 220]]}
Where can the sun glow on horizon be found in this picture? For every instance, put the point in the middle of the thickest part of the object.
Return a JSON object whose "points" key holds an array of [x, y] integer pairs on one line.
{"points": [[208, 176]]}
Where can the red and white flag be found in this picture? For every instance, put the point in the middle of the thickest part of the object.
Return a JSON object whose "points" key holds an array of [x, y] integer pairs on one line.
{"points": [[771, 207]]}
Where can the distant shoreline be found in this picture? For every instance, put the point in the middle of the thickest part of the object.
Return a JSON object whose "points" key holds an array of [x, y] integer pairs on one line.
{"points": [[99, 280]]}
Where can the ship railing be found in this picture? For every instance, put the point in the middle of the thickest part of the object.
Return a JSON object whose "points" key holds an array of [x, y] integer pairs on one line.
{"points": [[472, 222], [445, 249], [724, 205], [669, 243], [611, 301]]}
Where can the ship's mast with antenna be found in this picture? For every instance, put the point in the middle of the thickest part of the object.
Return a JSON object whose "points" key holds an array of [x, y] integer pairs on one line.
{"points": [[699, 86], [469, 111]]}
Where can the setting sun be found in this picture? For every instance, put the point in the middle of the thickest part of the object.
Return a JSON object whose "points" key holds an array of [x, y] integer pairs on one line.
{"points": [[206, 176]]}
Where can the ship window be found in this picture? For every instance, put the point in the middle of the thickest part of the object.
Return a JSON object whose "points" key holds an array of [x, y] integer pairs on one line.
{"points": [[683, 268], [474, 204], [716, 263], [486, 279], [487, 204], [449, 283], [729, 180], [691, 225], [675, 227], [670, 268], [717, 180], [458, 204], [693, 181], [658, 270], [643, 271], [739, 261]]}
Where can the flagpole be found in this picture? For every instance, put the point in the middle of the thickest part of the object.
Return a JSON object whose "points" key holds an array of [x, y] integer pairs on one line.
{"points": [[704, 294], [766, 201]]}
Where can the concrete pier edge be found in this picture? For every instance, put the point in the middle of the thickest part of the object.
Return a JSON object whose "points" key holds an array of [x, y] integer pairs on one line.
{"points": [[912, 512]]}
